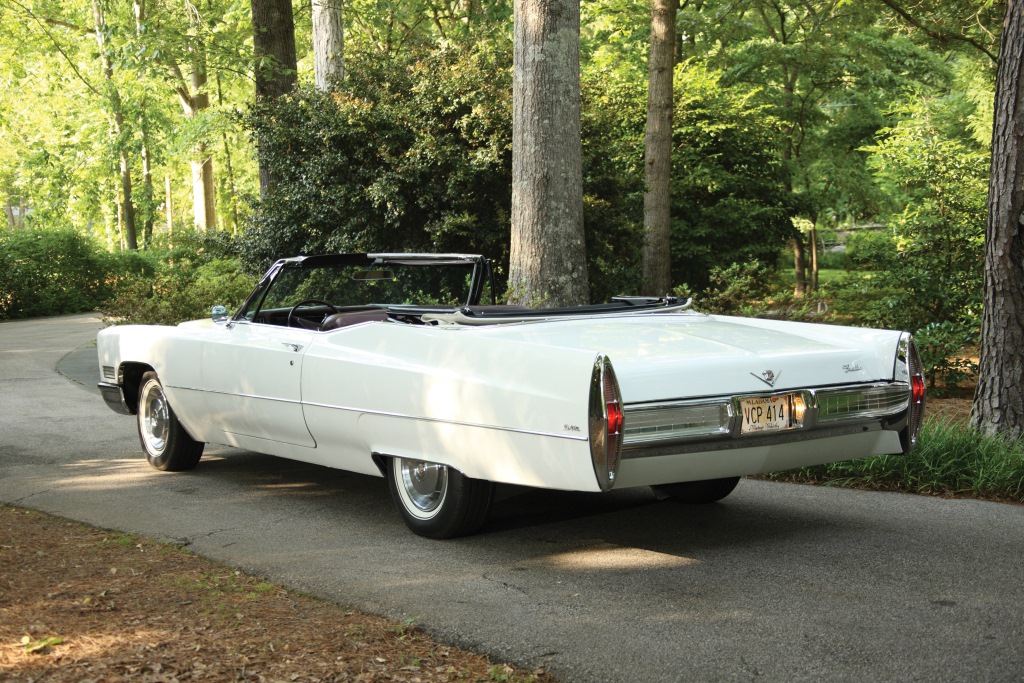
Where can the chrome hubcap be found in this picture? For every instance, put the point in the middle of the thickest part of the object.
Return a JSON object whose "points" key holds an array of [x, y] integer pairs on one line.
{"points": [[423, 485], [155, 418]]}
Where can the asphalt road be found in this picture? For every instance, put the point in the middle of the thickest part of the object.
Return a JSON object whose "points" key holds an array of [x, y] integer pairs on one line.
{"points": [[776, 583]]}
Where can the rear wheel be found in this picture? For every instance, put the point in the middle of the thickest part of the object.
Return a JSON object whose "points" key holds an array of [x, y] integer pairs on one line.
{"points": [[437, 501], [699, 492], [167, 445]]}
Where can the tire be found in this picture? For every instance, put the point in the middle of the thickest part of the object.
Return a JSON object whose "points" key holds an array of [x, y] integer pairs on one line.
{"points": [[437, 501], [165, 442], [699, 492]]}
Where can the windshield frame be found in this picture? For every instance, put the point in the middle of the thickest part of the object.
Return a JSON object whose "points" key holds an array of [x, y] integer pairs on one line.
{"points": [[481, 274]]}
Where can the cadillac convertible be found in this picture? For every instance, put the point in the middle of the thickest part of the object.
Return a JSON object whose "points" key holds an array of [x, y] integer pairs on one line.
{"points": [[390, 365]]}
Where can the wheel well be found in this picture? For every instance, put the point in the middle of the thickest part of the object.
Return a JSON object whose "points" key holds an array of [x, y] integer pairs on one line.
{"points": [[130, 379]]}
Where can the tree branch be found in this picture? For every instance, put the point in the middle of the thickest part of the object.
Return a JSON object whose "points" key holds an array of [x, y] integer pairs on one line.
{"points": [[42, 24], [940, 36]]}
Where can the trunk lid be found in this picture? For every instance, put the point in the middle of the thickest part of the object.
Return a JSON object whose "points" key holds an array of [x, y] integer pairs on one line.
{"points": [[670, 356]]}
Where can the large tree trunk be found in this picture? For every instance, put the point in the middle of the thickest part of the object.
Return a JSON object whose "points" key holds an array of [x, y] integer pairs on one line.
{"points": [[328, 43], [657, 279], [274, 48], [548, 258], [999, 399], [127, 208]]}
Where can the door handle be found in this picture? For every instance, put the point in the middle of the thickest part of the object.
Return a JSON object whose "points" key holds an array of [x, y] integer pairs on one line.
{"points": [[293, 347]]}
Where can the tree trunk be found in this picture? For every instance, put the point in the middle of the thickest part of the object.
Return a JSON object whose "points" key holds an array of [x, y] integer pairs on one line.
{"points": [[127, 208], [194, 101], [328, 43], [147, 170], [548, 255], [799, 265], [657, 279], [169, 205], [274, 52], [813, 284], [999, 399], [232, 188]]}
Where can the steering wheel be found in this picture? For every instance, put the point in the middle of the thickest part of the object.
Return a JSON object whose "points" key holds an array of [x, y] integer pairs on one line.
{"points": [[307, 302]]}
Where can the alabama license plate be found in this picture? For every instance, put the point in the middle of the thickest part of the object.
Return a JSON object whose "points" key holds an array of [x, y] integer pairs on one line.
{"points": [[771, 413]]}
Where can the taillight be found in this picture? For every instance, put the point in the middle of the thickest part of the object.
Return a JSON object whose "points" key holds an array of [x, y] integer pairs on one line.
{"points": [[909, 369], [917, 389], [606, 423]]}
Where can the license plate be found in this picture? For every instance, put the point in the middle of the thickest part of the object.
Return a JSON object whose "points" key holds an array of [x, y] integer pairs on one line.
{"points": [[771, 413]]}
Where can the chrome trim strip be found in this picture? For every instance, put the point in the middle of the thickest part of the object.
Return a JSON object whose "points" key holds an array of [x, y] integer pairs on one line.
{"points": [[894, 399], [385, 413], [229, 393]]}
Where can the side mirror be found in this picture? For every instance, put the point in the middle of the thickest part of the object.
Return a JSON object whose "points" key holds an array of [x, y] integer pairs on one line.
{"points": [[219, 314]]}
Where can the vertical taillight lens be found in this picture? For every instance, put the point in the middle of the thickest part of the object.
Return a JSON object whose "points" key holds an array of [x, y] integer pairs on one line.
{"points": [[606, 423], [909, 369]]}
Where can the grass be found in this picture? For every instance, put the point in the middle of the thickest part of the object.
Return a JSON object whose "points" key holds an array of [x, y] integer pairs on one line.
{"points": [[951, 460]]}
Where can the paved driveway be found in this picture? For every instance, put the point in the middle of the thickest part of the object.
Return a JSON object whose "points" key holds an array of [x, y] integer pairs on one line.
{"points": [[776, 583]]}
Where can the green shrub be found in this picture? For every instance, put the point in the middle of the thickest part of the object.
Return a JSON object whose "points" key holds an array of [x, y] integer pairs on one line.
{"points": [[57, 271], [870, 250], [179, 292], [943, 348], [748, 289]]}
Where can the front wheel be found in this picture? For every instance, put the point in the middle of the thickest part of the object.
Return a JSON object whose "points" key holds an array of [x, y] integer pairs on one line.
{"points": [[167, 445], [699, 492], [437, 501]]}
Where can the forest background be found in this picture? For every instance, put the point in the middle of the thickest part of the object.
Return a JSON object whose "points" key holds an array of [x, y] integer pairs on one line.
{"points": [[798, 127]]}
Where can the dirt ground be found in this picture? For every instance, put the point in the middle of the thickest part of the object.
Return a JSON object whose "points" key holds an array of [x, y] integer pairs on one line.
{"points": [[79, 604]]}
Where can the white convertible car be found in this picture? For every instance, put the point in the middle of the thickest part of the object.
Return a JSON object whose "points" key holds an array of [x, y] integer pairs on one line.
{"points": [[387, 364]]}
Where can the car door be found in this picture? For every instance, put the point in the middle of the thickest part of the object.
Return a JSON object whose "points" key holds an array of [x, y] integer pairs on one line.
{"points": [[252, 377]]}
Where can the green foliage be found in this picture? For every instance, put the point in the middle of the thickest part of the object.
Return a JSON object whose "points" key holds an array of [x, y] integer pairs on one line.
{"points": [[199, 271], [943, 346], [729, 198], [937, 267], [52, 272], [749, 289], [411, 155], [870, 250], [950, 459], [177, 294]]}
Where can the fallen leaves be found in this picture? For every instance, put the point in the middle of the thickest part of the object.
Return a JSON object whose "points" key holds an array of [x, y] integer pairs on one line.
{"points": [[180, 618]]}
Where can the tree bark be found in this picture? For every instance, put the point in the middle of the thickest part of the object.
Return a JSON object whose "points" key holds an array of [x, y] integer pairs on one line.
{"points": [[147, 169], [548, 252], [813, 240], [657, 279], [999, 399], [328, 43], [127, 208], [799, 265], [274, 51]]}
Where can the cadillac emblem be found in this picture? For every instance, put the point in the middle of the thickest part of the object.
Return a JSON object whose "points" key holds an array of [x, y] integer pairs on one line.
{"points": [[768, 377]]}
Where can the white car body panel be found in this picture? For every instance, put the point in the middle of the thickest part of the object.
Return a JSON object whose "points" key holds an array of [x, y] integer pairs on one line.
{"points": [[503, 403]]}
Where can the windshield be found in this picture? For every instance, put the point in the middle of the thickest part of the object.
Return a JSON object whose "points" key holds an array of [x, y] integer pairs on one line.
{"points": [[376, 285], [305, 291]]}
